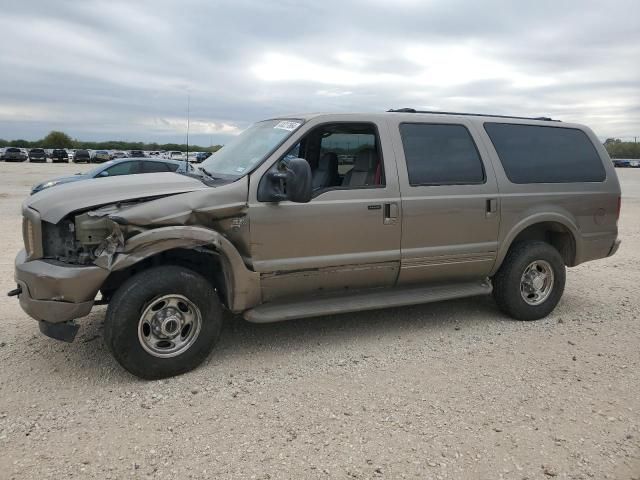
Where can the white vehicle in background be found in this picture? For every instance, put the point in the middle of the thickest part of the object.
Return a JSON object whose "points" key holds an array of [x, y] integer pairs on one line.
{"points": [[176, 156]]}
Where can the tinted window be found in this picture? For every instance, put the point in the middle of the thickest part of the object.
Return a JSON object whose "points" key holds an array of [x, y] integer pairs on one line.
{"points": [[347, 146], [155, 167], [124, 168], [440, 155], [532, 154], [344, 155]]}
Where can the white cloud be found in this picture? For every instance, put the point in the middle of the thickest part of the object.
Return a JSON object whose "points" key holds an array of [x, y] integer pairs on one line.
{"points": [[103, 69]]}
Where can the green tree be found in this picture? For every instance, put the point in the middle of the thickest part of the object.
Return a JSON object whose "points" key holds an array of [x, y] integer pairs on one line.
{"points": [[20, 143], [57, 139], [619, 149]]}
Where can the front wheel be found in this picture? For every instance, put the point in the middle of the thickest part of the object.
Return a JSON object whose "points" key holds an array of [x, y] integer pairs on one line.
{"points": [[163, 322], [530, 282]]}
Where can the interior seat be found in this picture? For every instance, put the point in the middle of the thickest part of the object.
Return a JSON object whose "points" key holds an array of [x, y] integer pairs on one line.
{"points": [[326, 175], [364, 169]]}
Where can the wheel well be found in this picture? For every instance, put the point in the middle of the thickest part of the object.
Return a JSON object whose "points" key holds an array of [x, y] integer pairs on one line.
{"points": [[201, 260], [553, 233]]}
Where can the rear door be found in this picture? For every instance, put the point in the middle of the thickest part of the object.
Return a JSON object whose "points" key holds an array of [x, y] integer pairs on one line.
{"points": [[450, 205]]}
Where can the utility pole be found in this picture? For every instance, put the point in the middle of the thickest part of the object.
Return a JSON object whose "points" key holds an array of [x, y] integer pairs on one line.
{"points": [[186, 159]]}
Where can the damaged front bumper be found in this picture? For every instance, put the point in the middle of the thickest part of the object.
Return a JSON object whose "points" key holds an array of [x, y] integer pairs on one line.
{"points": [[55, 293]]}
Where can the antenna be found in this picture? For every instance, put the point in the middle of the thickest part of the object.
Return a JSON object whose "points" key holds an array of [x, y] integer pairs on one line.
{"points": [[186, 159]]}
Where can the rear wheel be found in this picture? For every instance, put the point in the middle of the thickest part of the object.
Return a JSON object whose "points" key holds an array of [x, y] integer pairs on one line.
{"points": [[530, 282], [163, 322]]}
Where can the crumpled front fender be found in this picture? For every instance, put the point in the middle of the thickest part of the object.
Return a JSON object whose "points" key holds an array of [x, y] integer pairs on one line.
{"points": [[243, 285]]}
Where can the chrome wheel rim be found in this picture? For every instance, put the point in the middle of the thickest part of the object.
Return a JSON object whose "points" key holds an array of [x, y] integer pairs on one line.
{"points": [[169, 325], [536, 282]]}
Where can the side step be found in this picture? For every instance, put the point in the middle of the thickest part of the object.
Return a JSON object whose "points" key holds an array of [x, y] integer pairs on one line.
{"points": [[363, 300]]}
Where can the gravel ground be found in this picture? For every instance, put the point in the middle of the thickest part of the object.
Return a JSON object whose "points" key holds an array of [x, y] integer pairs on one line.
{"points": [[443, 391]]}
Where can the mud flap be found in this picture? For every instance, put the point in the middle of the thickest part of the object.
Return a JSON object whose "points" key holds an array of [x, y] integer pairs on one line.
{"points": [[65, 331]]}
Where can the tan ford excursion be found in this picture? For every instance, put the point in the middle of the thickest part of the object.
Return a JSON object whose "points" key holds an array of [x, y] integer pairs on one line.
{"points": [[319, 214]]}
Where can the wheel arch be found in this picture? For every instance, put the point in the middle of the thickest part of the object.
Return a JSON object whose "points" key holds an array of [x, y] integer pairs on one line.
{"points": [[555, 229], [203, 250]]}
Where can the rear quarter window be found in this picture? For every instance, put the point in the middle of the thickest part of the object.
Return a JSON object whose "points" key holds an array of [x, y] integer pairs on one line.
{"points": [[538, 154]]}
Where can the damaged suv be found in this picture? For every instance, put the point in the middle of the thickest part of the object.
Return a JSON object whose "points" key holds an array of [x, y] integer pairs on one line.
{"points": [[320, 214]]}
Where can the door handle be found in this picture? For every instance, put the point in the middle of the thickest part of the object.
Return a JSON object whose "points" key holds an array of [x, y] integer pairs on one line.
{"points": [[390, 213], [491, 206]]}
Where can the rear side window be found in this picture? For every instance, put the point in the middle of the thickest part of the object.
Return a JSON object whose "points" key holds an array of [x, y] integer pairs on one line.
{"points": [[124, 168], [439, 154], [154, 167], [534, 154]]}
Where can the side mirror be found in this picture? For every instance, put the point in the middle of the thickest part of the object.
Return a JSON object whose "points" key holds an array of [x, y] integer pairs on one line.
{"points": [[103, 173], [289, 180]]}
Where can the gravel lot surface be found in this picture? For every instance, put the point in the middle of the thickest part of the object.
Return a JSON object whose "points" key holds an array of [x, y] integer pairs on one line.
{"points": [[440, 391]]}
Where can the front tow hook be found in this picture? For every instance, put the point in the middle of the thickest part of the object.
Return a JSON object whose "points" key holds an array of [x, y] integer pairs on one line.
{"points": [[15, 292]]}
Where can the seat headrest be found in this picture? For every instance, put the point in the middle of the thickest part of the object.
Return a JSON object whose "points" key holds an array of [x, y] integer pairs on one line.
{"points": [[365, 160], [327, 161]]}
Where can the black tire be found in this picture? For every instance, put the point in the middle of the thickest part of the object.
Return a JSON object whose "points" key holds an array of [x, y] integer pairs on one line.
{"points": [[506, 282], [127, 306]]}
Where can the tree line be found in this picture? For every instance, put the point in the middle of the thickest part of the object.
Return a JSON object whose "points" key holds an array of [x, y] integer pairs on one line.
{"points": [[616, 147], [57, 139], [619, 149]]}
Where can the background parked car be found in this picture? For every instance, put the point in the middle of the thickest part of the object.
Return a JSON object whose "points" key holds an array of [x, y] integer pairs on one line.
{"points": [[37, 155], [59, 155], [202, 156], [136, 154], [176, 155], [13, 154], [101, 156], [626, 163], [82, 156], [124, 166], [118, 154]]}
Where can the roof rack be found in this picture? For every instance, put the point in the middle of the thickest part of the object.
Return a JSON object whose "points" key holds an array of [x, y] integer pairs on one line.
{"points": [[413, 110]]}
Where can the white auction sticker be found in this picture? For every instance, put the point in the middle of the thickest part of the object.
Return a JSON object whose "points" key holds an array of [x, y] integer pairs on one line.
{"points": [[287, 125]]}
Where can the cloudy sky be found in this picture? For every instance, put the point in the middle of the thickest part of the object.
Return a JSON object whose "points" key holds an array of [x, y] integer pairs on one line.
{"points": [[103, 70]]}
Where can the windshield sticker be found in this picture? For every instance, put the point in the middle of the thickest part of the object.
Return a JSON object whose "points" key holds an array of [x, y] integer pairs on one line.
{"points": [[287, 125]]}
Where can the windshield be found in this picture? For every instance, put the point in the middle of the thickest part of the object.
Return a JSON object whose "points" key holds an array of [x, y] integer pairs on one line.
{"points": [[248, 149]]}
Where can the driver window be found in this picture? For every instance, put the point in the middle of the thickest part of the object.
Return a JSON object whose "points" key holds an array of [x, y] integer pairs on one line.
{"points": [[342, 156]]}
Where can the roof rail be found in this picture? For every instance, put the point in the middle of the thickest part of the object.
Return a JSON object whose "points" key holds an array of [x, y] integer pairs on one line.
{"points": [[413, 110]]}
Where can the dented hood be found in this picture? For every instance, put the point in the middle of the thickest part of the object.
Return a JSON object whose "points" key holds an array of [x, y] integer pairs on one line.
{"points": [[53, 204]]}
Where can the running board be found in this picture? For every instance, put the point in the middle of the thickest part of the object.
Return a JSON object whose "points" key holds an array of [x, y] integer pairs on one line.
{"points": [[363, 300]]}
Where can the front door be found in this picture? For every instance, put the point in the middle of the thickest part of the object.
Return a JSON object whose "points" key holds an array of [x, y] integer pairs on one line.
{"points": [[348, 236]]}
